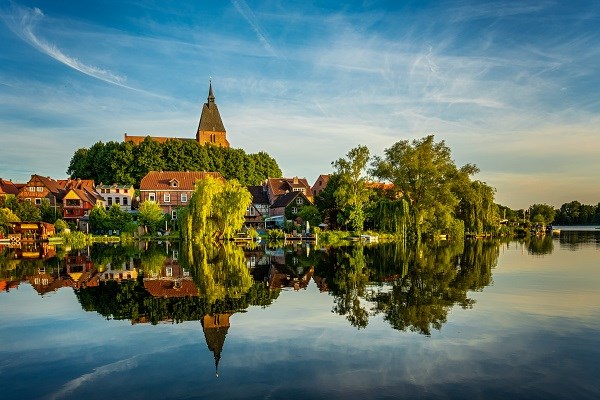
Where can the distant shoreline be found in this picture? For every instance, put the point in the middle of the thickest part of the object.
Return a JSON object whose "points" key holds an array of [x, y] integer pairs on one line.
{"points": [[578, 228]]}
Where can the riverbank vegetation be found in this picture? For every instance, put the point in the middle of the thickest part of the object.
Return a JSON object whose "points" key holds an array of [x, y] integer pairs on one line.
{"points": [[424, 194]]}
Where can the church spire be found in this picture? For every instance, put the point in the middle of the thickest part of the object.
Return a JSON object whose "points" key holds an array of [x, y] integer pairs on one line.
{"points": [[211, 96], [210, 128]]}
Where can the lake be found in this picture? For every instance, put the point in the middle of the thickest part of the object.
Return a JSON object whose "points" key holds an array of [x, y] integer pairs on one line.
{"points": [[483, 319]]}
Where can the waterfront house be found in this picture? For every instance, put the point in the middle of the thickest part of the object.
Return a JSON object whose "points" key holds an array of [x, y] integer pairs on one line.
{"points": [[121, 195], [259, 209], [289, 205], [39, 188], [7, 188], [320, 184], [277, 187], [78, 203], [171, 189]]}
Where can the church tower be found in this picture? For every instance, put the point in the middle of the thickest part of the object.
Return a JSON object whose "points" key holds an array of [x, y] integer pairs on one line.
{"points": [[211, 129]]}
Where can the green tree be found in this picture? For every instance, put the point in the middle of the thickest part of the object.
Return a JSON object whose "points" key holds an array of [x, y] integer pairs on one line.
{"points": [[7, 216], [27, 211], [98, 219], [353, 193], [47, 212], [310, 214], [216, 209], [542, 213], [60, 225], [425, 174], [151, 215]]}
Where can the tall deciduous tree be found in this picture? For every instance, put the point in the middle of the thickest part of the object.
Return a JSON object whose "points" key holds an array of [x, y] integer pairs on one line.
{"points": [[353, 193], [426, 175]]}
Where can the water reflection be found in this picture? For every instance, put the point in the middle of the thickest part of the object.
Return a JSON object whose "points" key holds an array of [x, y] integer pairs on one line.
{"points": [[413, 289]]}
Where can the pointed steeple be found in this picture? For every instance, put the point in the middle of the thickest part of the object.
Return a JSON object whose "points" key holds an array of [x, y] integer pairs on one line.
{"points": [[215, 329], [210, 128], [211, 96]]}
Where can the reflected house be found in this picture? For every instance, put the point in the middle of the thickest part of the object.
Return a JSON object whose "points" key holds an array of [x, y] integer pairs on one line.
{"points": [[215, 329], [44, 282], [288, 273], [80, 269], [34, 251], [7, 285], [321, 283], [125, 271], [172, 281], [283, 277]]}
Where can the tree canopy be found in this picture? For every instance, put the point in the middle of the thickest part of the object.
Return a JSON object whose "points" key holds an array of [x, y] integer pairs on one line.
{"points": [[424, 174], [127, 163]]}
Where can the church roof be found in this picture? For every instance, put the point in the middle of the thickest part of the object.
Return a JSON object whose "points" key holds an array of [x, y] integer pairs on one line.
{"points": [[210, 119]]}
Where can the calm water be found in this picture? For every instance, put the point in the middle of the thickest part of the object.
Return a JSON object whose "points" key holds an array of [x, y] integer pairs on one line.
{"points": [[483, 320]]}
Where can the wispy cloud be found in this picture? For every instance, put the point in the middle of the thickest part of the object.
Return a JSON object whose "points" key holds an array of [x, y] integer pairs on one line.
{"points": [[22, 21], [245, 11]]}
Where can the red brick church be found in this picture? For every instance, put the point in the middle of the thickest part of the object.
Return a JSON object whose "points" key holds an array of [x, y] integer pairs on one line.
{"points": [[210, 129]]}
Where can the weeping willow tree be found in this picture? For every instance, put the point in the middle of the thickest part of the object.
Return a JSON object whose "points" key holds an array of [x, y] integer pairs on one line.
{"points": [[219, 270], [477, 208], [216, 210], [392, 216]]}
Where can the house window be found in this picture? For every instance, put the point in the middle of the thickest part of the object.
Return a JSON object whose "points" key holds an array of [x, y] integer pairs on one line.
{"points": [[28, 199], [32, 188], [117, 200], [174, 214], [294, 210], [250, 211], [169, 271], [124, 201], [152, 197], [167, 197], [174, 183], [299, 200], [117, 191], [184, 197], [38, 201], [175, 255], [40, 189], [110, 201]]}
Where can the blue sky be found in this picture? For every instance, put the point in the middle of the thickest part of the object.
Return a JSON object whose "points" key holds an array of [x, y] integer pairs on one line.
{"points": [[510, 86]]}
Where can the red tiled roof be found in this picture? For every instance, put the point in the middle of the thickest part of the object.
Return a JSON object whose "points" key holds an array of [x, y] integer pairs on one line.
{"points": [[7, 187], [162, 180], [52, 185], [280, 186], [171, 288], [76, 183]]}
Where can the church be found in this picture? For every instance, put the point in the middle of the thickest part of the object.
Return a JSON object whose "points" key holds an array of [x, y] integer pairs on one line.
{"points": [[210, 128]]}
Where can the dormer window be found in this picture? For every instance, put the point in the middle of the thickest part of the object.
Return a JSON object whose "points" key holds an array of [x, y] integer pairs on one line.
{"points": [[174, 183]]}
